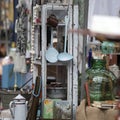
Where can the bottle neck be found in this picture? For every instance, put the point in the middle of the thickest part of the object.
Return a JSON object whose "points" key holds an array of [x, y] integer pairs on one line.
{"points": [[99, 64]]}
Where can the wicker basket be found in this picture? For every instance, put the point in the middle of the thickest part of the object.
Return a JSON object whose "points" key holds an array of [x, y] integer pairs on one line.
{"points": [[6, 97]]}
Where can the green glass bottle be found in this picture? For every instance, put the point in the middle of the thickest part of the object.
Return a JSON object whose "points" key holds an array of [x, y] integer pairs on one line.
{"points": [[100, 81]]}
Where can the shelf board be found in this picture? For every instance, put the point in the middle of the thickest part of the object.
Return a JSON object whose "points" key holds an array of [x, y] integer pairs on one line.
{"points": [[38, 62], [57, 64]]}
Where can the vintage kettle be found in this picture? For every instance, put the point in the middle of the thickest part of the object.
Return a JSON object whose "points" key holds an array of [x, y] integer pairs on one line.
{"points": [[18, 108]]}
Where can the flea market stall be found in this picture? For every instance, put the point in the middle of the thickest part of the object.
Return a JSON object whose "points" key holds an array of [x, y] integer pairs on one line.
{"points": [[65, 62]]}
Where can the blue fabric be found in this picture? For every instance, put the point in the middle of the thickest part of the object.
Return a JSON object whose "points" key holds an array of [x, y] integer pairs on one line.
{"points": [[8, 77]]}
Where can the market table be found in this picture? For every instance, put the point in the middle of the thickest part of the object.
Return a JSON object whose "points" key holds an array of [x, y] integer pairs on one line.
{"points": [[93, 113]]}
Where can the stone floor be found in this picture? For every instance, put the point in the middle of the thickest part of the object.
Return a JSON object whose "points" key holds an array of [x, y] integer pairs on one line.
{"points": [[5, 115]]}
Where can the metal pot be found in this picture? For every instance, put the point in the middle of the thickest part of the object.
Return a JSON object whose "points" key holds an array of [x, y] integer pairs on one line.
{"points": [[57, 92]]}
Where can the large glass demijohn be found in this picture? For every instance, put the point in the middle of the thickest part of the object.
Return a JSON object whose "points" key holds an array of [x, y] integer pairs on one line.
{"points": [[100, 81]]}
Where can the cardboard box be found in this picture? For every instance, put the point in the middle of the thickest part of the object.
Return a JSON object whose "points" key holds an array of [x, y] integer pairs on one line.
{"points": [[48, 112]]}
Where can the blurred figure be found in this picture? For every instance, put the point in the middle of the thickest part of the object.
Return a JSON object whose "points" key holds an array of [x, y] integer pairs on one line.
{"points": [[2, 50], [2, 55]]}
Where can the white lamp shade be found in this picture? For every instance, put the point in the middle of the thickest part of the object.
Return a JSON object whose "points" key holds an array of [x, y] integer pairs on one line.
{"points": [[109, 25]]}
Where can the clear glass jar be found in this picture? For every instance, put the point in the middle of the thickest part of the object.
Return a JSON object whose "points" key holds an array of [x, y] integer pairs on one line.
{"points": [[100, 81]]}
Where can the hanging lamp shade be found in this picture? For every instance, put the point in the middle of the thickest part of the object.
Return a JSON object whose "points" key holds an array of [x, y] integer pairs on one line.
{"points": [[107, 26]]}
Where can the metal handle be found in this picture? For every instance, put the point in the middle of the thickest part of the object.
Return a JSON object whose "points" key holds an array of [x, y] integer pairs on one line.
{"points": [[11, 109]]}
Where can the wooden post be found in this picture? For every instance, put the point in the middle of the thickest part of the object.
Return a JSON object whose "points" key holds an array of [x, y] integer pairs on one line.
{"points": [[84, 26], [32, 113]]}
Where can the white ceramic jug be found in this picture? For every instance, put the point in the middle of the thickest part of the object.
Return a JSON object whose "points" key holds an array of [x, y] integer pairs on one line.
{"points": [[18, 108]]}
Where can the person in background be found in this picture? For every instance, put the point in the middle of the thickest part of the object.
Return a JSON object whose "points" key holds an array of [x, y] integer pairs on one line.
{"points": [[2, 50], [2, 55]]}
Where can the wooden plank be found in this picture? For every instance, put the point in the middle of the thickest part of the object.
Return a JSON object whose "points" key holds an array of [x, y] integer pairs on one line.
{"points": [[75, 61], [44, 40], [36, 42], [84, 26], [69, 67], [35, 73], [34, 101]]}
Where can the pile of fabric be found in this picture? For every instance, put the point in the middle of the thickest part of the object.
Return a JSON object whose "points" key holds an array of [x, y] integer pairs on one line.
{"points": [[93, 113]]}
